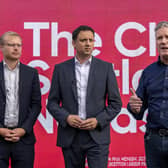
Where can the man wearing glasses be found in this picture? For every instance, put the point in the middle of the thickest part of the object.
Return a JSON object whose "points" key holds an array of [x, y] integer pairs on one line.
{"points": [[20, 101]]}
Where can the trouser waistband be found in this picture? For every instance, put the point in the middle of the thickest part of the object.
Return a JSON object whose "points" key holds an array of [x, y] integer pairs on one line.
{"points": [[159, 131]]}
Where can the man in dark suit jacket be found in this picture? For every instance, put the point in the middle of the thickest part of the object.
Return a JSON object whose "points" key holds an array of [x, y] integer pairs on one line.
{"points": [[20, 105], [77, 100]]}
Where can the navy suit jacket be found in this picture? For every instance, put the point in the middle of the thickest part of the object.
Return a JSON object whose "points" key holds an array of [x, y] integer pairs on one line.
{"points": [[29, 100], [62, 100]]}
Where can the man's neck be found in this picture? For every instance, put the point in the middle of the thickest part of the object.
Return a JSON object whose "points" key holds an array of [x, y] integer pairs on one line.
{"points": [[82, 59], [11, 63]]}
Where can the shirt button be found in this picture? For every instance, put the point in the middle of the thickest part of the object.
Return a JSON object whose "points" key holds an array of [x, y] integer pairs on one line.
{"points": [[164, 101]]}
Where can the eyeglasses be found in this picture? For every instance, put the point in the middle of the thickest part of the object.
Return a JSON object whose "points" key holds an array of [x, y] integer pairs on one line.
{"points": [[13, 45]]}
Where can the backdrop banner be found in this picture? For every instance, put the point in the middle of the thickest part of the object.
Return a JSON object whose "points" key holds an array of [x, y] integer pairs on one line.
{"points": [[124, 36]]}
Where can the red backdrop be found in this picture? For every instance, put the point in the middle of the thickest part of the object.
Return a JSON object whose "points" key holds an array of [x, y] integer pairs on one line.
{"points": [[124, 37]]}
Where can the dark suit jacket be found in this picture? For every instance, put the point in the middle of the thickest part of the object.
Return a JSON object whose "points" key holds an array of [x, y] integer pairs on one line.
{"points": [[62, 100], [29, 100]]}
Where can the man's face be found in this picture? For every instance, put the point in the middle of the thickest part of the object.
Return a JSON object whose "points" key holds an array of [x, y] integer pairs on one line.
{"points": [[84, 43], [162, 43], [12, 48]]}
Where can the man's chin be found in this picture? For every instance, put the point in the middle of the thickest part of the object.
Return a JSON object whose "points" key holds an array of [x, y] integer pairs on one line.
{"points": [[165, 55], [14, 58], [164, 58], [88, 54]]}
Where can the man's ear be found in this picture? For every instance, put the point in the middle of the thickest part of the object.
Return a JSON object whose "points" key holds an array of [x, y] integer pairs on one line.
{"points": [[73, 43], [1, 46]]}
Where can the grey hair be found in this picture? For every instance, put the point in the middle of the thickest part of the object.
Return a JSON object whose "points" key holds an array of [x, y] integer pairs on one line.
{"points": [[9, 33], [161, 24]]}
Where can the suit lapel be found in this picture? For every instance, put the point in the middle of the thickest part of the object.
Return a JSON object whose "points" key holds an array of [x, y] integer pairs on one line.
{"points": [[91, 76], [73, 78], [21, 81], [2, 80]]}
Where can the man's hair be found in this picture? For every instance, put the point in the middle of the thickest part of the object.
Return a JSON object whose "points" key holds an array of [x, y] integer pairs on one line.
{"points": [[9, 33], [161, 24], [81, 28]]}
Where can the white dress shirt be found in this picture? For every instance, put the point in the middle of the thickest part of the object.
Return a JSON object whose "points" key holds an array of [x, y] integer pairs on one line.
{"points": [[82, 74], [12, 95]]}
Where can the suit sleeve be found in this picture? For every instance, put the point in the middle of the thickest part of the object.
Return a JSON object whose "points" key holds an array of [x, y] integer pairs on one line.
{"points": [[54, 100], [35, 106], [113, 100]]}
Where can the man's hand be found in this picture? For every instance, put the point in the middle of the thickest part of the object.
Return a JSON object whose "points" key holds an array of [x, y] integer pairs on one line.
{"points": [[12, 135], [135, 102], [89, 124], [6, 133], [19, 132], [74, 121]]}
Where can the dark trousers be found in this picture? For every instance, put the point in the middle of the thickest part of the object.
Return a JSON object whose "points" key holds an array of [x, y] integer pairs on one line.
{"points": [[21, 154], [84, 147], [156, 148]]}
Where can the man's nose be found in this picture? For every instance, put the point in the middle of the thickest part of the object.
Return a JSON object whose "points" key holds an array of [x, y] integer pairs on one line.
{"points": [[16, 47], [164, 40], [88, 42]]}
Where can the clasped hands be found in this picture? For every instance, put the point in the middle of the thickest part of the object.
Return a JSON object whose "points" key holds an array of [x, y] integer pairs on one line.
{"points": [[76, 122], [13, 135]]}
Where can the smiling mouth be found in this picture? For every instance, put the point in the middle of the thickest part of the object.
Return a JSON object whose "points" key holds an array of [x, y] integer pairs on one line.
{"points": [[164, 48], [15, 54]]}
